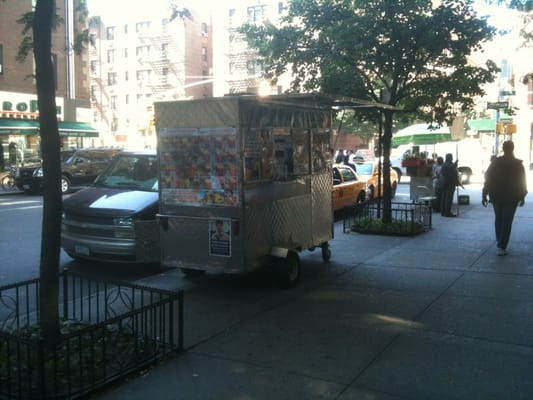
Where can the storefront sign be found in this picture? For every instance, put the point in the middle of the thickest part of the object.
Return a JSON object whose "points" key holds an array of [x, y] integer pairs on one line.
{"points": [[16, 103]]}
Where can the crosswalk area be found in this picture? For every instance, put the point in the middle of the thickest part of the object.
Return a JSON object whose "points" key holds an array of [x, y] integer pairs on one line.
{"points": [[16, 203]]}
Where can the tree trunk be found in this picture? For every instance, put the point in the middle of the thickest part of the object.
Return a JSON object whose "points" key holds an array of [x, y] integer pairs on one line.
{"points": [[50, 145], [387, 142]]}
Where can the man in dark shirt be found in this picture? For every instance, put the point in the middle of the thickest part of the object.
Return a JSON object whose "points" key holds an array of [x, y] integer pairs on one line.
{"points": [[505, 185], [449, 182]]}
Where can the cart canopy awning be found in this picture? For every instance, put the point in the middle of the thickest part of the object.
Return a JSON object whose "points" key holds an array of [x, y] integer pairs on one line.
{"points": [[421, 134], [18, 126], [14, 126], [482, 125]]}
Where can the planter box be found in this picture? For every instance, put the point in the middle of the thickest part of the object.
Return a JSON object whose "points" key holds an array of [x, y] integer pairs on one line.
{"points": [[408, 219], [108, 330]]}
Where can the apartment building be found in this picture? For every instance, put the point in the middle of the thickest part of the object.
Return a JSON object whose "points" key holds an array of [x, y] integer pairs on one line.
{"points": [[140, 57], [19, 128], [238, 68]]}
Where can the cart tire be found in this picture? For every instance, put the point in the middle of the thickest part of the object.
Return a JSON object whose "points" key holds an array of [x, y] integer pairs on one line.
{"points": [[326, 252], [290, 274], [190, 273]]}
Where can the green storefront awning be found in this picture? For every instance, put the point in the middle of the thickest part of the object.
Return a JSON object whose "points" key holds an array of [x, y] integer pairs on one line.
{"points": [[16, 126], [76, 129], [482, 125], [13, 126]]}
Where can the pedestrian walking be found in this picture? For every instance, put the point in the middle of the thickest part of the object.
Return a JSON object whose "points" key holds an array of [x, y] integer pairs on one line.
{"points": [[449, 182], [506, 188]]}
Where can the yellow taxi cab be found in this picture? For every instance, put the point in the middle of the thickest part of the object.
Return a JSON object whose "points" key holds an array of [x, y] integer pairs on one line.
{"points": [[367, 170], [348, 188]]}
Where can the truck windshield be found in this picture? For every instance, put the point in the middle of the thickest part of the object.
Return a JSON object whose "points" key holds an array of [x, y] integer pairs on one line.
{"points": [[131, 172]]}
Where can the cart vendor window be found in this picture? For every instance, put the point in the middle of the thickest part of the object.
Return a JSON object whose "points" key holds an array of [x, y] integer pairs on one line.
{"points": [[276, 154]]}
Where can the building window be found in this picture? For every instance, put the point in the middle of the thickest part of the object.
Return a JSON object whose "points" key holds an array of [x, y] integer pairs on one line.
{"points": [[110, 33], [1, 60], [110, 56], [112, 78], [280, 7], [139, 97], [164, 71], [257, 13], [232, 12], [204, 54], [164, 50], [142, 51], [142, 27], [113, 102], [204, 29], [144, 75], [93, 92], [254, 67], [93, 66], [127, 99], [125, 29], [126, 76]]}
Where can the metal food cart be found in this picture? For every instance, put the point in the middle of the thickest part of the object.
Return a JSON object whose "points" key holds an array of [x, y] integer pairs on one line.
{"points": [[245, 181]]}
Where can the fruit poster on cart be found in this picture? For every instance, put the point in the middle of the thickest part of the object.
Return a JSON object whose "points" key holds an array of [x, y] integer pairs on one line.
{"points": [[199, 167]]}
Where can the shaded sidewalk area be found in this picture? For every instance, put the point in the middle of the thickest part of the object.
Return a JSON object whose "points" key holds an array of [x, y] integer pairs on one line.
{"points": [[435, 316]]}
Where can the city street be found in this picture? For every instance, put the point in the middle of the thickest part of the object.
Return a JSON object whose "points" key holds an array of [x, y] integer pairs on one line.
{"points": [[20, 229]]}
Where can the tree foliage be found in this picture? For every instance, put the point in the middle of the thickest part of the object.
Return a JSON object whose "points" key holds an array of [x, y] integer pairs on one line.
{"points": [[411, 54]]}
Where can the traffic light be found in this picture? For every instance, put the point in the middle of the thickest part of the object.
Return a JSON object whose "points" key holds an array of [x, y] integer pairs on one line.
{"points": [[500, 128]]}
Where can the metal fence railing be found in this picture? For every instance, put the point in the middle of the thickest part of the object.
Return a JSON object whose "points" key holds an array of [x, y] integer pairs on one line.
{"points": [[407, 218], [108, 330]]}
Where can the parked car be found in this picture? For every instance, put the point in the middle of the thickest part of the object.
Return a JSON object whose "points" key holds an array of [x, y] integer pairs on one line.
{"points": [[368, 172], [79, 169], [348, 188], [115, 218]]}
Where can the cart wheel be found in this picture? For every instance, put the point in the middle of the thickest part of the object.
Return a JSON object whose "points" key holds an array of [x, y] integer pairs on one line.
{"points": [[326, 252], [291, 269], [190, 273]]}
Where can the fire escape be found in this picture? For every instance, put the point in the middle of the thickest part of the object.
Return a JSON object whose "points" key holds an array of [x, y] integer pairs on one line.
{"points": [[243, 76], [98, 91]]}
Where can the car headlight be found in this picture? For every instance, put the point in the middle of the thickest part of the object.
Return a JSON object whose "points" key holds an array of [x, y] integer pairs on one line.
{"points": [[123, 221], [38, 172]]}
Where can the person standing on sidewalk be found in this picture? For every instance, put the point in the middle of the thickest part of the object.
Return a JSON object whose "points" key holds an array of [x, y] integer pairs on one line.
{"points": [[449, 182], [505, 185], [436, 181]]}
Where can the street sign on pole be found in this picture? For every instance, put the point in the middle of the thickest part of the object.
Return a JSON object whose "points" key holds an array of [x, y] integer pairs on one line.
{"points": [[497, 105]]}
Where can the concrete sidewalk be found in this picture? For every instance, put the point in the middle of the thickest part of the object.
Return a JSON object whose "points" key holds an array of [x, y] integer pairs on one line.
{"points": [[436, 316]]}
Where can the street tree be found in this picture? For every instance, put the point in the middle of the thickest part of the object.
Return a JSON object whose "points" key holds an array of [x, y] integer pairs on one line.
{"points": [[38, 26], [412, 55]]}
